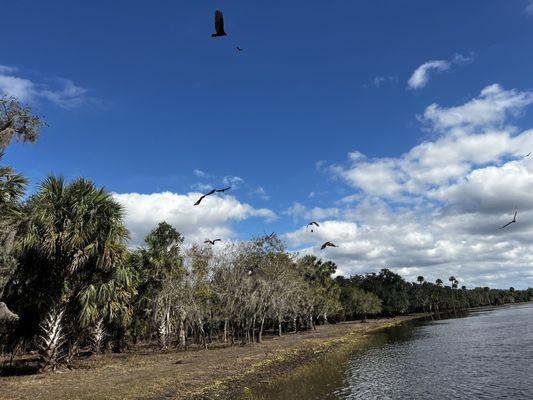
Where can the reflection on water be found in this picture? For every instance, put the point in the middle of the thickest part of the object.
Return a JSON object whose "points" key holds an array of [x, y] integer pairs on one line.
{"points": [[486, 355]]}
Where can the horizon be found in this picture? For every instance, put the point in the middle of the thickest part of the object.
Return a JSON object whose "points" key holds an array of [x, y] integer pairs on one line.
{"points": [[405, 141]]}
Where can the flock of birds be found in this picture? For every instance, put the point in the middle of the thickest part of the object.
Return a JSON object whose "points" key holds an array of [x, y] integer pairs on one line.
{"points": [[311, 224], [220, 32]]}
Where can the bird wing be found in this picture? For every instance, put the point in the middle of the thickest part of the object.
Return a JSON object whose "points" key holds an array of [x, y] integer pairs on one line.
{"points": [[223, 190], [219, 22], [315, 223], [506, 225], [217, 240], [514, 218], [207, 241], [199, 200]]}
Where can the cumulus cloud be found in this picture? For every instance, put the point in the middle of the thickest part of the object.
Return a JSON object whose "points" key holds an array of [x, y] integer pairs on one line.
{"points": [[436, 209], [421, 75], [491, 107], [300, 212], [213, 218], [62, 92]]}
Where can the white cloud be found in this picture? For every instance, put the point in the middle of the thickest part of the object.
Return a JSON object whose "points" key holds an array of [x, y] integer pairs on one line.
{"points": [[261, 192], [421, 75], [68, 95], [200, 174], [300, 212], [23, 89], [62, 92], [491, 107], [436, 209], [213, 217], [469, 139], [233, 181]]}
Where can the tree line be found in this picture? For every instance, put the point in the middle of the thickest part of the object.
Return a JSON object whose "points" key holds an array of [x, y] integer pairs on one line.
{"points": [[74, 285]]}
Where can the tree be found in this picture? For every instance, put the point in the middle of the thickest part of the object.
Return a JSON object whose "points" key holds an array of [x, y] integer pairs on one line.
{"points": [[391, 288], [420, 279], [160, 272], [439, 282], [357, 302], [12, 186], [17, 122], [71, 258]]}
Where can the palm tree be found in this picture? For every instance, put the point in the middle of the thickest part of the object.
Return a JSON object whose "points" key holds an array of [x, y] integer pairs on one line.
{"points": [[439, 282], [12, 186], [454, 285], [73, 252]]}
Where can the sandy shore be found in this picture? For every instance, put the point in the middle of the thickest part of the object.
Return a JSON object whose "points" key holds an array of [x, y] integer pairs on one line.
{"points": [[203, 374]]}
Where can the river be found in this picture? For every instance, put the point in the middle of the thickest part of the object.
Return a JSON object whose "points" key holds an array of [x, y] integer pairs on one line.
{"points": [[480, 355]]}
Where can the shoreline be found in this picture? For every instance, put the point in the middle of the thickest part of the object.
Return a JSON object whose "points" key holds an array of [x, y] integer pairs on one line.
{"points": [[222, 372], [218, 373], [239, 387]]}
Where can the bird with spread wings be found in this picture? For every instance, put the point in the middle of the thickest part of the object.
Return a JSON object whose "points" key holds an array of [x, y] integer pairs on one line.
{"points": [[327, 244], [210, 193], [511, 222]]}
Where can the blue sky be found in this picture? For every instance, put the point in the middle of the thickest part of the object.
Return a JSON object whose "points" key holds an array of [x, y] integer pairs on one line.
{"points": [[138, 95]]}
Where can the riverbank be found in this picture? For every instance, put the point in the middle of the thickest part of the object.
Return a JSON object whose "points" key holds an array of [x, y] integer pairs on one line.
{"points": [[195, 374]]}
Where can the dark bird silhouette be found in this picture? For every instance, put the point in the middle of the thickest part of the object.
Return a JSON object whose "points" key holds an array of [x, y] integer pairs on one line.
{"points": [[212, 241], [238, 48], [310, 224], [512, 222], [327, 244], [210, 193], [527, 155], [219, 24]]}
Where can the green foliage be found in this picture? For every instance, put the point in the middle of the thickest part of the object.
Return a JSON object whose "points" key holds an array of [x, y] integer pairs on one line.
{"points": [[72, 255], [357, 302]]}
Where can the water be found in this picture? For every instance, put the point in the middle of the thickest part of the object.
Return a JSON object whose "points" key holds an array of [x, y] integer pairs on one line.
{"points": [[484, 355]]}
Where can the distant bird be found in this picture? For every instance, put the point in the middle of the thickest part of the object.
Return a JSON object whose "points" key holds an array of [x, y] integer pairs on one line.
{"points": [[219, 24], [238, 48], [527, 155], [327, 244], [212, 241], [310, 224], [271, 236], [512, 222], [210, 193]]}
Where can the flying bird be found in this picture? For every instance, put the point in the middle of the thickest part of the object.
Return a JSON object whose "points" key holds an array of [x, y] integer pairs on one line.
{"points": [[238, 48], [310, 224], [210, 193], [219, 24], [512, 222], [327, 244], [212, 242]]}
